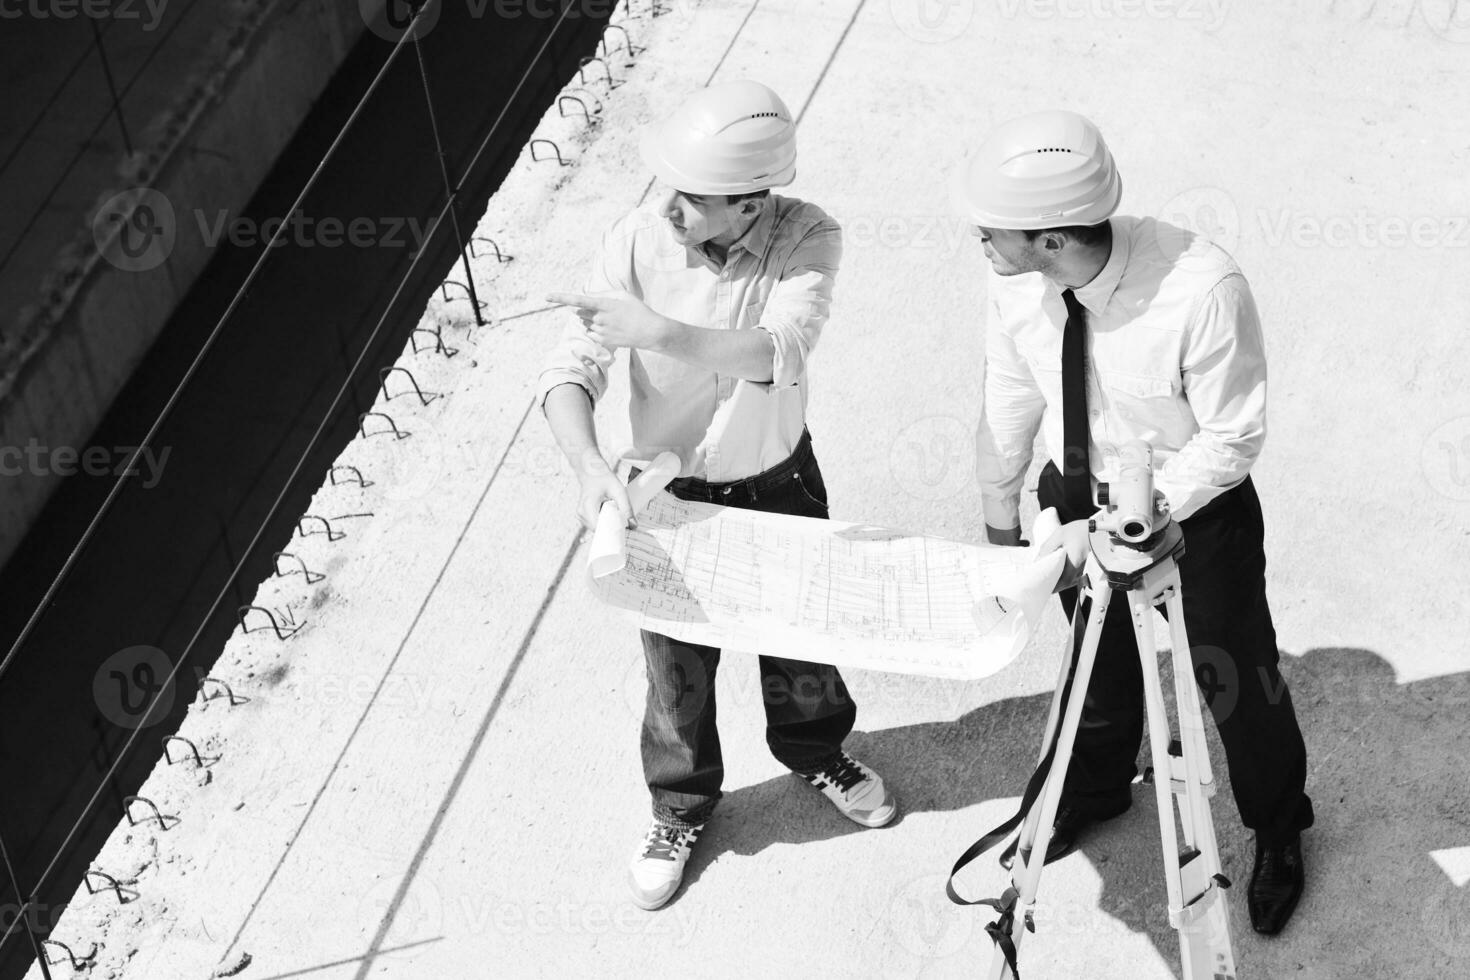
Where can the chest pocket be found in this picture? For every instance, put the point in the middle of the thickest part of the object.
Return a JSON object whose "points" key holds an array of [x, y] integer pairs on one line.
{"points": [[1139, 399]]}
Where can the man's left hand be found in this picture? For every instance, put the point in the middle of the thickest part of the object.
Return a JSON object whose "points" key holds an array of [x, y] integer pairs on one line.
{"points": [[618, 319]]}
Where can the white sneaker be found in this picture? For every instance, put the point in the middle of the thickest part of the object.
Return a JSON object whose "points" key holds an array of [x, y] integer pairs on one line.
{"points": [[857, 791], [658, 867]]}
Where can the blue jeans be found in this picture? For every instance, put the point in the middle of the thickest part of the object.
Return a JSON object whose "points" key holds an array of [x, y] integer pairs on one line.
{"points": [[808, 709]]}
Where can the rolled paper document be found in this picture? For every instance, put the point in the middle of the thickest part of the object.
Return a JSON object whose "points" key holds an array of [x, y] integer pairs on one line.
{"points": [[609, 551]]}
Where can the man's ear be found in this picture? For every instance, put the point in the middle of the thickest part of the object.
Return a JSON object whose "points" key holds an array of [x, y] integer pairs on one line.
{"points": [[1053, 241], [751, 206]]}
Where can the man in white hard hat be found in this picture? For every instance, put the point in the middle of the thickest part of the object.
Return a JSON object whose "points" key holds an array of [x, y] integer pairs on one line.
{"points": [[1103, 329], [719, 291]]}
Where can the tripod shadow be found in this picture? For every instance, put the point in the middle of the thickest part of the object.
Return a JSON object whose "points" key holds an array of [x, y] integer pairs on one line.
{"points": [[1387, 778]]}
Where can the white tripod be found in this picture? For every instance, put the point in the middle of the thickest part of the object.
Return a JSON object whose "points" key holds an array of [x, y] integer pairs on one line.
{"points": [[1147, 572]]}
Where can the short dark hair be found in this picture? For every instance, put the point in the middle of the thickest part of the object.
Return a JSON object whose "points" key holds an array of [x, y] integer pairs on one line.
{"points": [[1085, 235], [759, 195]]}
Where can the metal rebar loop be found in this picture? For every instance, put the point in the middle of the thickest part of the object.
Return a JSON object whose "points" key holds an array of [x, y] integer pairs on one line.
{"points": [[438, 347], [332, 534], [627, 41], [607, 74], [501, 257], [580, 104], [128, 802], [77, 963], [554, 149], [311, 577], [424, 397], [469, 293], [281, 634], [168, 756], [355, 471], [229, 693], [111, 882], [392, 426]]}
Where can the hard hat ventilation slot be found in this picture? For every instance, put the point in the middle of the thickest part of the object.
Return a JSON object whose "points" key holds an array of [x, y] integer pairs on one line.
{"points": [[1055, 149], [765, 115]]}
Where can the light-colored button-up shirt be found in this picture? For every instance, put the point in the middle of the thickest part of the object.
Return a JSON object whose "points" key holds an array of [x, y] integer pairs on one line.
{"points": [[778, 278], [1175, 358]]}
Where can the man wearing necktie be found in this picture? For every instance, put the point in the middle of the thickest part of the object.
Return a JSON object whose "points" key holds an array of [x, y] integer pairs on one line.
{"points": [[1103, 329]]}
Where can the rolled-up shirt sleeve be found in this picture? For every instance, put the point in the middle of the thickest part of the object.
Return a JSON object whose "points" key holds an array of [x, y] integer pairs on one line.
{"points": [[1010, 415], [801, 300], [1223, 371], [577, 359]]}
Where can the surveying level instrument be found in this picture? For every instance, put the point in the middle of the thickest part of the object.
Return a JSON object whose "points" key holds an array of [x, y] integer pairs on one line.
{"points": [[1134, 550]]}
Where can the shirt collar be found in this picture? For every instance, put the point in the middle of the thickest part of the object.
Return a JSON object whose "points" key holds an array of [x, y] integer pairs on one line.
{"points": [[1097, 293]]}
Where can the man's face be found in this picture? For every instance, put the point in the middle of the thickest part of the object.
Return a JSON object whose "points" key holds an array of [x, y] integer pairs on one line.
{"points": [[699, 218], [1010, 252]]}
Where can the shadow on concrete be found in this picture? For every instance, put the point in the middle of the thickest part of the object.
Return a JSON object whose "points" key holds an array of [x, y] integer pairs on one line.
{"points": [[1387, 777]]}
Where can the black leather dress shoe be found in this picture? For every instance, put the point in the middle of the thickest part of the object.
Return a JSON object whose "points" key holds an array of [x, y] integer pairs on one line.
{"points": [[1276, 885], [1065, 831]]}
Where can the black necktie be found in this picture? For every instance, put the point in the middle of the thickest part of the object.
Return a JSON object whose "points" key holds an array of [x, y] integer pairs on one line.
{"points": [[1076, 461]]}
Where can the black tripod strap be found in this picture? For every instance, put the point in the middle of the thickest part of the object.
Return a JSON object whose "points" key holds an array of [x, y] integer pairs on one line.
{"points": [[1000, 930]]}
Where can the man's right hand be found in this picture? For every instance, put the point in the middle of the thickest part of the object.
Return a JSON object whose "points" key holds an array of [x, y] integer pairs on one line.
{"points": [[601, 484], [1009, 538]]}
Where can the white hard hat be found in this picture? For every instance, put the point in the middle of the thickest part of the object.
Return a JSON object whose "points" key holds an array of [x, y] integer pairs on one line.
{"points": [[731, 138], [1044, 170]]}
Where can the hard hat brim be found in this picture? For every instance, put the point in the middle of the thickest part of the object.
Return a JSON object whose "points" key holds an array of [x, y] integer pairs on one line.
{"points": [[652, 148]]}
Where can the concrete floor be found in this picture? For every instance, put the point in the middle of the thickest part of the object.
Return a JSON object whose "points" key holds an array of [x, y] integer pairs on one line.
{"points": [[438, 776]]}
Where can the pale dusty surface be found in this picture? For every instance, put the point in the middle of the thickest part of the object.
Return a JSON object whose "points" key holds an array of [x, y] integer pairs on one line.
{"points": [[438, 776]]}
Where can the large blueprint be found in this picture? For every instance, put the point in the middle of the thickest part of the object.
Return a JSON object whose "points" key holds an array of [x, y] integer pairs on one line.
{"points": [[853, 595]]}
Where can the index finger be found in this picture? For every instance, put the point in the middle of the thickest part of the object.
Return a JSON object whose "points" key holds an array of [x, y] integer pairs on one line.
{"points": [[573, 299]]}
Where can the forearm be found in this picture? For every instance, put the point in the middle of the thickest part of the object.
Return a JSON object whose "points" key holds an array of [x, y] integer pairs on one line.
{"points": [[747, 354], [569, 413]]}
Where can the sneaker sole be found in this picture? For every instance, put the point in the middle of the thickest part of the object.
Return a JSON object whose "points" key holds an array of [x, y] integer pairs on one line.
{"points": [[881, 817]]}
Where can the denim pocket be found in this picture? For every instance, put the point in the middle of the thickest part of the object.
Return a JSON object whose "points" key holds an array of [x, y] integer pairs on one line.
{"points": [[811, 493]]}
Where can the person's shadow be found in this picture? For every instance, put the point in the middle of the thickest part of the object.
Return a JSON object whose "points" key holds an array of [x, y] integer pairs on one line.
{"points": [[1387, 775]]}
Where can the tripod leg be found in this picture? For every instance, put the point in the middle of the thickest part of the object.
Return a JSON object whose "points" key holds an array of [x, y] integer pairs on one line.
{"points": [[1204, 927], [1196, 903], [1035, 832], [1159, 737]]}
